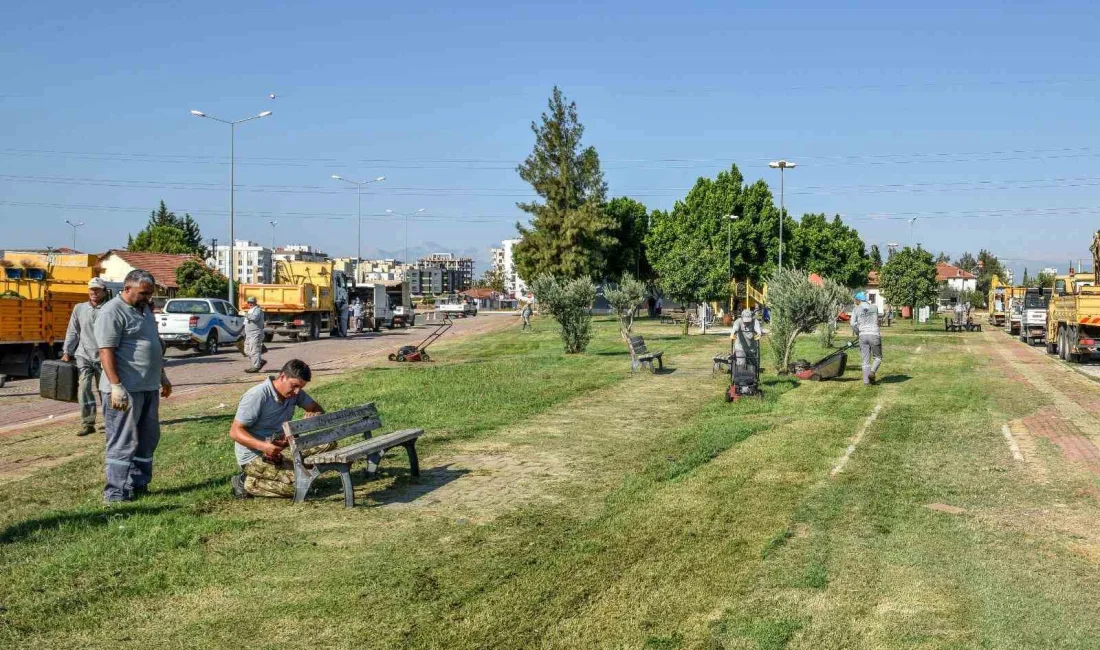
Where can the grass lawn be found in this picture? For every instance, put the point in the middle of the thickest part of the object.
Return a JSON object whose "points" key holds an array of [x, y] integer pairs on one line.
{"points": [[567, 504]]}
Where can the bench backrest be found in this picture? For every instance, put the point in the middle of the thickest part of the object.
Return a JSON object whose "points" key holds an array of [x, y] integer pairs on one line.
{"points": [[637, 345], [330, 427]]}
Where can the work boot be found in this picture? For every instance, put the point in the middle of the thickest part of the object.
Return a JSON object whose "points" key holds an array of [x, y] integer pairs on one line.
{"points": [[237, 483], [252, 371], [140, 491], [263, 362], [86, 429], [873, 379]]}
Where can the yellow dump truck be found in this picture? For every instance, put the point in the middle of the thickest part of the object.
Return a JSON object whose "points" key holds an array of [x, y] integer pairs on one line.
{"points": [[304, 300], [1073, 316], [37, 294]]}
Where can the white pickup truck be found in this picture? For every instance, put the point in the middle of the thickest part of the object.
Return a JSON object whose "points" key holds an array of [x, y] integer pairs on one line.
{"points": [[201, 324], [458, 308]]}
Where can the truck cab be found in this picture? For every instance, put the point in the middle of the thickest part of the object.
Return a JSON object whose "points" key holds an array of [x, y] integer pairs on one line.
{"points": [[1033, 325]]}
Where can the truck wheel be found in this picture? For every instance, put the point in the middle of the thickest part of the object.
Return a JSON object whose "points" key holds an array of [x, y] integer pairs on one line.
{"points": [[1071, 344], [211, 344], [34, 364]]}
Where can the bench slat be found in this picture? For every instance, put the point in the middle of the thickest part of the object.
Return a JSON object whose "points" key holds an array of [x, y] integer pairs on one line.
{"points": [[352, 453], [330, 419], [310, 440]]}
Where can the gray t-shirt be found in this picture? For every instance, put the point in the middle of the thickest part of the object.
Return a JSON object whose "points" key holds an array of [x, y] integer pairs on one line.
{"points": [[262, 412], [133, 334], [80, 336], [865, 320]]}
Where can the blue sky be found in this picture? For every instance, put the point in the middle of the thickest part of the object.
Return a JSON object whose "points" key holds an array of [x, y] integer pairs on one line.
{"points": [[980, 121]]}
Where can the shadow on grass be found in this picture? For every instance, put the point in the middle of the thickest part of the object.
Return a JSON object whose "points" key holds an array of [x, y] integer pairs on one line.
{"points": [[85, 519], [407, 489], [894, 379], [192, 487], [198, 419]]}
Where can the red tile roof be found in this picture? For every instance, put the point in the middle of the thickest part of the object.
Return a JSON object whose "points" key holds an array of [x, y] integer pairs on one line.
{"points": [[945, 272], [162, 265], [872, 278], [479, 294]]}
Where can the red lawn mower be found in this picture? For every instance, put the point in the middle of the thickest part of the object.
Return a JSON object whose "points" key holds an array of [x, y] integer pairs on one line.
{"points": [[419, 352]]}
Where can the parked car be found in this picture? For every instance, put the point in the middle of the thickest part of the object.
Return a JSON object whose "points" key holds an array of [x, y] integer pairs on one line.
{"points": [[457, 307], [202, 324]]}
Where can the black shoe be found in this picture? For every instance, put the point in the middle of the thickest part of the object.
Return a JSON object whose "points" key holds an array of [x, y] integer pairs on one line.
{"points": [[88, 429], [139, 491], [263, 362], [252, 371], [237, 483]]}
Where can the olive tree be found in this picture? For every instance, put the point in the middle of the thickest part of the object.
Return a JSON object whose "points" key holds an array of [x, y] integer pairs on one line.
{"points": [[833, 297], [570, 304], [797, 307], [625, 297]]}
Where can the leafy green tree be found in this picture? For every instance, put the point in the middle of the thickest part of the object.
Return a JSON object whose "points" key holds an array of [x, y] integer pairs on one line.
{"points": [[834, 297], [630, 223], [167, 233], [876, 257], [570, 304], [625, 298], [968, 263], [570, 233], [988, 266], [492, 280], [908, 279], [830, 249], [1045, 280], [198, 280], [1026, 282]]}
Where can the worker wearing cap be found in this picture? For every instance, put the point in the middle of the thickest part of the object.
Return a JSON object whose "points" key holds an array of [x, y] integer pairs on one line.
{"points": [[751, 327], [254, 335], [80, 346], [865, 326]]}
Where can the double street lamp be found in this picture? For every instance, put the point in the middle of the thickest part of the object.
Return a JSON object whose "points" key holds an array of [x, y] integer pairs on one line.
{"points": [[231, 263], [359, 214], [781, 165], [75, 226], [406, 216]]}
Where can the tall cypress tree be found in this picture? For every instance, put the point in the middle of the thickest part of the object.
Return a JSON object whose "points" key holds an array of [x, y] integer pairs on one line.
{"points": [[570, 233]]}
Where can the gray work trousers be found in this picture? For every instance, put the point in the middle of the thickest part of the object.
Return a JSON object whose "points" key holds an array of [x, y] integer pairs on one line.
{"points": [[132, 437], [88, 387], [342, 325], [870, 353], [253, 348]]}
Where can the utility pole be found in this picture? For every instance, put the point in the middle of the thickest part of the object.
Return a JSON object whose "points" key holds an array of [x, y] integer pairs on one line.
{"points": [[359, 216], [273, 224], [75, 226]]}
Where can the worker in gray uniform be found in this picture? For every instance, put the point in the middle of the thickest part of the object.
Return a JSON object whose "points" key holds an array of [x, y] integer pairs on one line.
{"points": [[80, 346], [752, 332], [254, 335], [865, 326]]}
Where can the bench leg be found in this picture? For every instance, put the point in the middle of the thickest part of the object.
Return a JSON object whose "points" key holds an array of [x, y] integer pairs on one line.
{"points": [[349, 492], [660, 363], [303, 479], [414, 462]]}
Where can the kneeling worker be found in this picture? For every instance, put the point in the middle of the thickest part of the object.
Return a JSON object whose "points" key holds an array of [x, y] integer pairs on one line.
{"points": [[260, 416], [865, 327]]}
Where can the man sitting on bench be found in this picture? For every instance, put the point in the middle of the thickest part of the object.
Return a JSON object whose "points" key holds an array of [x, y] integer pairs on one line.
{"points": [[260, 416]]}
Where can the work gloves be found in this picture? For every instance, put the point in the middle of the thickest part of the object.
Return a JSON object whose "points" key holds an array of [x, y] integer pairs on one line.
{"points": [[120, 399]]}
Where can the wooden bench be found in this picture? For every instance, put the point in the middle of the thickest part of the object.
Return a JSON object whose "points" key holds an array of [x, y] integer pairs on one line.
{"points": [[721, 362], [640, 356], [332, 427], [949, 325]]}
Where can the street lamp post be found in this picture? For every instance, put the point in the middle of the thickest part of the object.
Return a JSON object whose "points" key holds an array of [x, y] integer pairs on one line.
{"points": [[406, 216], [911, 222], [781, 165], [75, 226], [359, 215], [232, 189], [273, 224]]}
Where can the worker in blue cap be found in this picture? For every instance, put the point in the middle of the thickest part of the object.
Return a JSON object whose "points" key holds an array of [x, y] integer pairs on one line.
{"points": [[865, 327]]}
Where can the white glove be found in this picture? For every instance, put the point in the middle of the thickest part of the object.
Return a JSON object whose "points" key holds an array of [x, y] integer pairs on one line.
{"points": [[120, 399]]}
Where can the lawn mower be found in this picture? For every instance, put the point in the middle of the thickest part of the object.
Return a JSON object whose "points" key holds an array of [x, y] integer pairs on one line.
{"points": [[745, 380], [419, 352], [830, 367]]}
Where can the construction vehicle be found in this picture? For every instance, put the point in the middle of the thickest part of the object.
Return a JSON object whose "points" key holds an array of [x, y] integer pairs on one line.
{"points": [[304, 300], [1033, 327], [998, 301], [38, 292], [1073, 316]]}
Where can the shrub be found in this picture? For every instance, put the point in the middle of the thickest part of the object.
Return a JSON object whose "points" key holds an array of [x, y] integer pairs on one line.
{"points": [[570, 304], [625, 299]]}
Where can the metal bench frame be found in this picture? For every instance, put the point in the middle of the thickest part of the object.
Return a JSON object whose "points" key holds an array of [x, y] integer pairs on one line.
{"points": [[641, 356]]}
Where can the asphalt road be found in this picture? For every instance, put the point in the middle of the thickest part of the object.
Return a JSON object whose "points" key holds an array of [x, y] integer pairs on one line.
{"points": [[193, 374]]}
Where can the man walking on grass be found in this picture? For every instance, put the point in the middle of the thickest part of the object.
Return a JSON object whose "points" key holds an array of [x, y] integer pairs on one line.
{"points": [[526, 316], [865, 327], [80, 346], [133, 373]]}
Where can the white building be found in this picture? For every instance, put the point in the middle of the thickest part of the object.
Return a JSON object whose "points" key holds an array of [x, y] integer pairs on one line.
{"points": [[373, 270], [956, 278], [496, 260], [251, 260], [298, 253], [513, 284]]}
